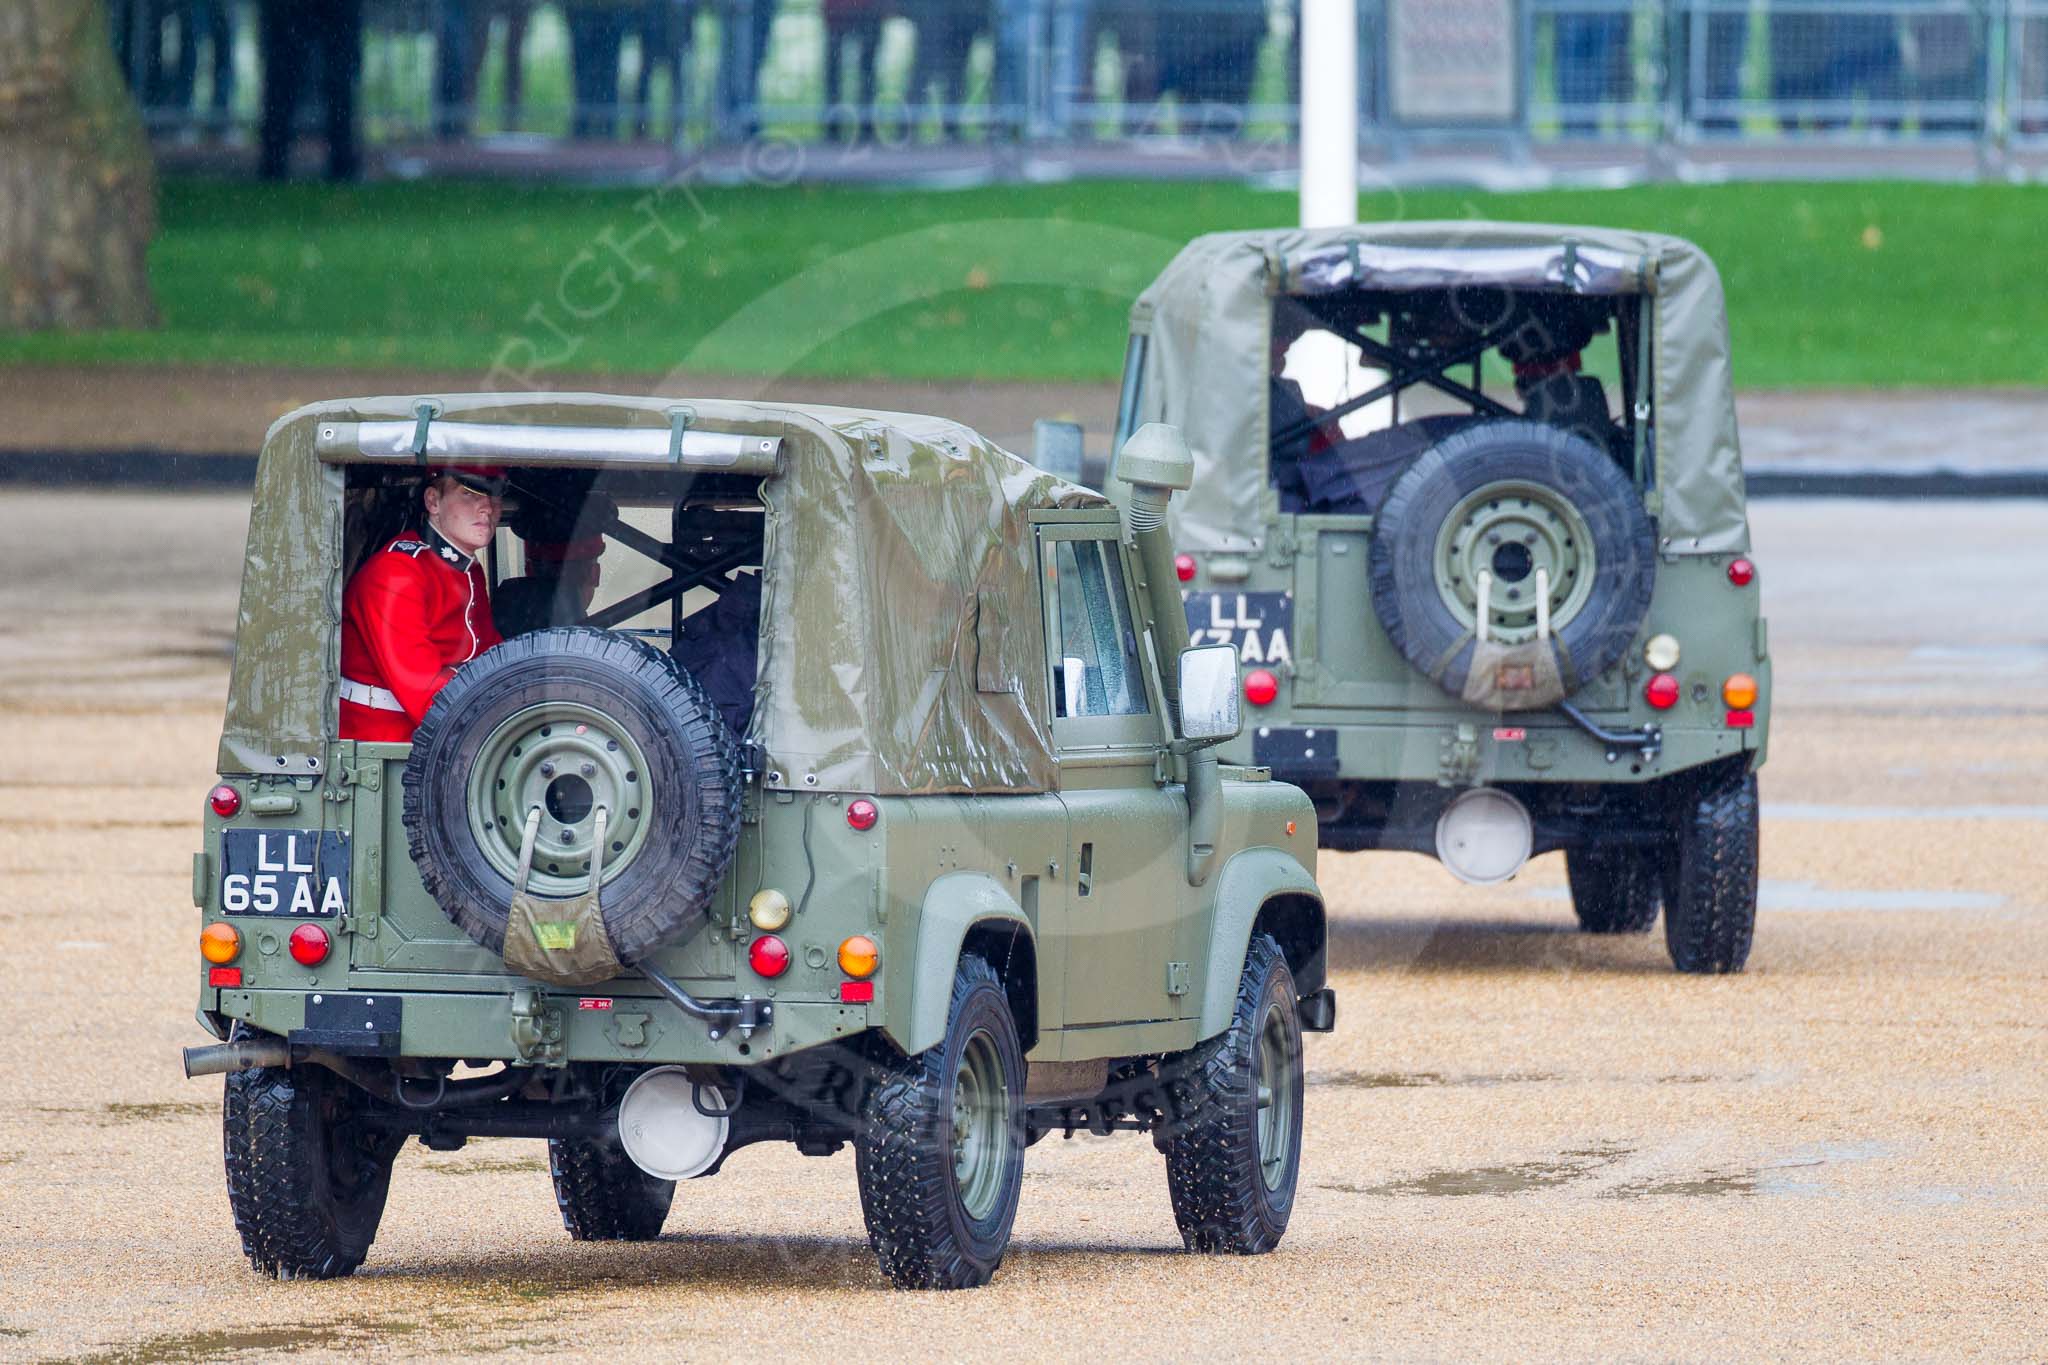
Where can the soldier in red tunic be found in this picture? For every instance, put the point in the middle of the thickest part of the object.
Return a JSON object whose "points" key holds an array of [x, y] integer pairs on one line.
{"points": [[419, 607]]}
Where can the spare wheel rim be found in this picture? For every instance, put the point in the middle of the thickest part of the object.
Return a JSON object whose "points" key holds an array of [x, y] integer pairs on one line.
{"points": [[1510, 530], [567, 760]]}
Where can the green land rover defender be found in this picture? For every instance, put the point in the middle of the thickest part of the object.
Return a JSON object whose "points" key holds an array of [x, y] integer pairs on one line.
{"points": [[874, 801], [1469, 501]]}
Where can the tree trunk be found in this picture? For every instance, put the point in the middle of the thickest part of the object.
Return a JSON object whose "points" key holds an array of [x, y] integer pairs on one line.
{"points": [[77, 190]]}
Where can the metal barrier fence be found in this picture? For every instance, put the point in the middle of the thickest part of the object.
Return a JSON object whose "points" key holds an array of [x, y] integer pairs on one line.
{"points": [[705, 73]]}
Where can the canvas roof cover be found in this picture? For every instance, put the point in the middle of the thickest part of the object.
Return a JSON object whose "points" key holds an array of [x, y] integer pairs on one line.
{"points": [[901, 636], [1206, 320]]}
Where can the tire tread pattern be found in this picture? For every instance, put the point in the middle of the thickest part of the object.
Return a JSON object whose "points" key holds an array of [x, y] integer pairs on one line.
{"points": [[1710, 879], [1614, 890], [906, 1180], [292, 1224], [603, 1196], [1211, 1144]]}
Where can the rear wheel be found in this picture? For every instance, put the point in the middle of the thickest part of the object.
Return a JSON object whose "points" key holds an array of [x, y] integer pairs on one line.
{"points": [[1614, 890], [603, 1196], [306, 1176], [940, 1148], [1232, 1133], [1710, 876]]}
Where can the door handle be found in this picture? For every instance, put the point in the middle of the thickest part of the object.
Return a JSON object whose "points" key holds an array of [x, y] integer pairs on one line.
{"points": [[1084, 878]]}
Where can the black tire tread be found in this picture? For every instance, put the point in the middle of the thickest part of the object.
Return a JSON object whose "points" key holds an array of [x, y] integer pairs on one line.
{"points": [[1210, 1139], [603, 1196], [1710, 877], [906, 1183], [272, 1146], [1614, 890]]}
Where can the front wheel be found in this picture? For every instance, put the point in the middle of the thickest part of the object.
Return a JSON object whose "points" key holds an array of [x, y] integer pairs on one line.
{"points": [[1232, 1131], [1710, 876], [306, 1176], [940, 1150]]}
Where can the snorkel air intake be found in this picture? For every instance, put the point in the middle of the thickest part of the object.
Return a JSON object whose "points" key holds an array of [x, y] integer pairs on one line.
{"points": [[1155, 464]]}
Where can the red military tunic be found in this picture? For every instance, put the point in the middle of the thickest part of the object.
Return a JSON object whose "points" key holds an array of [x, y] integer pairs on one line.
{"points": [[415, 610]]}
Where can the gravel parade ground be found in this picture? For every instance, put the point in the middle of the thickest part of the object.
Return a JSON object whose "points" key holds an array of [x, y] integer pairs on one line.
{"points": [[1521, 1142]]}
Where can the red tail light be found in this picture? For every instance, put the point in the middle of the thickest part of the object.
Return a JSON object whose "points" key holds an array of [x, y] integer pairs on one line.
{"points": [[1184, 567], [1662, 691], [1740, 572], [1261, 687], [310, 945], [769, 956], [862, 813], [225, 800]]}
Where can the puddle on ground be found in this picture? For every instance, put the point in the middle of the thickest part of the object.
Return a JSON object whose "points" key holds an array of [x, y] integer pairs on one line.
{"points": [[1519, 1178], [1411, 1080], [108, 1114], [488, 1166], [217, 1345], [1744, 1183]]}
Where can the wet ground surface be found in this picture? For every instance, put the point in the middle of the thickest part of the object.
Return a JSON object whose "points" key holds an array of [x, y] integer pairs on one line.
{"points": [[1521, 1140]]}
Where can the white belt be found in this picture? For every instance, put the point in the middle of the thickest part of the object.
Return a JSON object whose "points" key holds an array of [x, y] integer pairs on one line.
{"points": [[362, 694]]}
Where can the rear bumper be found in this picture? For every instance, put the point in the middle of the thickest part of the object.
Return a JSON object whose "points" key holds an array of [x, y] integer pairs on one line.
{"points": [[532, 1025], [1486, 751]]}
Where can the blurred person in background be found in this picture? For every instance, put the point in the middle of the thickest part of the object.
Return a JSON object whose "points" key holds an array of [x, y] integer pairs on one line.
{"points": [[462, 43], [1727, 40], [211, 22], [1593, 68], [945, 34], [597, 30], [304, 41], [856, 24], [745, 27], [1209, 57], [1829, 60], [668, 33]]}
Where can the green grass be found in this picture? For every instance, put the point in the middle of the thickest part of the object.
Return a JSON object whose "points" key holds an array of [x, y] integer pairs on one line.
{"points": [[1828, 285]]}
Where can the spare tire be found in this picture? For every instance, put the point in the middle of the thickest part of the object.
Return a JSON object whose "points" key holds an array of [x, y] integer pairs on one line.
{"points": [[571, 719], [1520, 502]]}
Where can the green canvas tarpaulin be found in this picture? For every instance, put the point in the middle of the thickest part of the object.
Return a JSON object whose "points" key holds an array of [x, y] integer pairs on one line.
{"points": [[901, 639], [1205, 323]]}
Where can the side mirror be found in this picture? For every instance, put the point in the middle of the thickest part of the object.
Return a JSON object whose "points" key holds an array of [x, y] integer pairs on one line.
{"points": [[1210, 698], [1056, 447]]}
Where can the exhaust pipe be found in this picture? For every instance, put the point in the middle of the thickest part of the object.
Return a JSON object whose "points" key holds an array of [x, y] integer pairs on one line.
{"points": [[244, 1054]]}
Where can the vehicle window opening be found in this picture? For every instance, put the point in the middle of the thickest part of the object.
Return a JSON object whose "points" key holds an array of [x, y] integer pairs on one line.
{"points": [[589, 554], [1362, 382], [1099, 673]]}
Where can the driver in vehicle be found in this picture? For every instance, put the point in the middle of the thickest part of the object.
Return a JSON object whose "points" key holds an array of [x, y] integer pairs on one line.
{"points": [[420, 607]]}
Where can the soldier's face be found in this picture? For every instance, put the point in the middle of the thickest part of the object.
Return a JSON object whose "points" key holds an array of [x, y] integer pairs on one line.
{"points": [[466, 518]]}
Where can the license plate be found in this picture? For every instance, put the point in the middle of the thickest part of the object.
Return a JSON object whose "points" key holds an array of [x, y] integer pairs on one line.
{"points": [[1258, 623], [290, 873]]}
